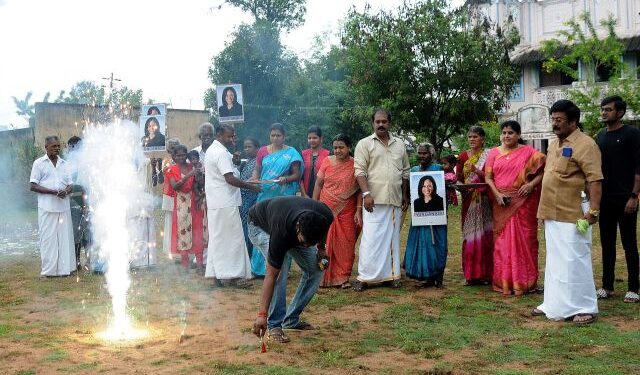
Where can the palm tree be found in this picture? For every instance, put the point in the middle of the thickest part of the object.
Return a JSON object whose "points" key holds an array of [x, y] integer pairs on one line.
{"points": [[25, 109]]}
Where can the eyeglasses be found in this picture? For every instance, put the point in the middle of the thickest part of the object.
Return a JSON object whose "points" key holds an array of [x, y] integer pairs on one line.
{"points": [[555, 120]]}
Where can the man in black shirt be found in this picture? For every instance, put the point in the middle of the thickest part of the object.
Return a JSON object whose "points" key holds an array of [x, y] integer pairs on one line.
{"points": [[284, 228], [620, 147]]}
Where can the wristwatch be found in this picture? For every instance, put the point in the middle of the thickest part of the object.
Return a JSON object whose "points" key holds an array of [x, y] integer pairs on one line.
{"points": [[365, 194], [593, 212]]}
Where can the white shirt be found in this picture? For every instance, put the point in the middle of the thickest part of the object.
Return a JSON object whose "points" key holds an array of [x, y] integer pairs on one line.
{"points": [[218, 161], [57, 177]]}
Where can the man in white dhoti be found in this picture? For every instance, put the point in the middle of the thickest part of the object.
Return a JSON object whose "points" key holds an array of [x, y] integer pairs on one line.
{"points": [[227, 259], [382, 171], [51, 179], [573, 161]]}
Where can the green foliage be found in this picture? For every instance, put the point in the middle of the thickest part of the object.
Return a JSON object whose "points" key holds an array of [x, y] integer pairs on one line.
{"points": [[255, 58], [427, 64], [585, 47], [88, 92], [589, 50], [25, 108], [492, 136], [322, 98], [281, 14]]}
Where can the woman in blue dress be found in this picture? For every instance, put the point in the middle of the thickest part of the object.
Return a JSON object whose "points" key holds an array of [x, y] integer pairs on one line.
{"points": [[426, 255], [279, 169]]}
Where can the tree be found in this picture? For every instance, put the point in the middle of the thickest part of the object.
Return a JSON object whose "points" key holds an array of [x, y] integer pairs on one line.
{"points": [[26, 109], [321, 97], [281, 14], [87, 92], [255, 58], [437, 72], [579, 53]]}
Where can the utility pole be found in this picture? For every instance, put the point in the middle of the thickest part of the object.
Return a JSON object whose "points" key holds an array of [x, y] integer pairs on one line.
{"points": [[111, 79]]}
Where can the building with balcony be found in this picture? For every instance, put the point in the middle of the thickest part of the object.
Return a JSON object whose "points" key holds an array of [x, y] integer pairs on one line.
{"points": [[538, 20]]}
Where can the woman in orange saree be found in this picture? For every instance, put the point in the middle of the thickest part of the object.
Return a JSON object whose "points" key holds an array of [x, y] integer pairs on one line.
{"points": [[336, 187], [514, 173]]}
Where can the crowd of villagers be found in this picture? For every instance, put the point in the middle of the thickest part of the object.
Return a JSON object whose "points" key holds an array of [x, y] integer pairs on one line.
{"points": [[499, 247]]}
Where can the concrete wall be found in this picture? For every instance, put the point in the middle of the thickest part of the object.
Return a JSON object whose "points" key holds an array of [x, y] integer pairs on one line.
{"points": [[67, 120], [10, 137]]}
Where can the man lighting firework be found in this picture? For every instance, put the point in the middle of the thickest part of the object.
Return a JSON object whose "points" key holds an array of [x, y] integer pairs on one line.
{"points": [[51, 180], [284, 228]]}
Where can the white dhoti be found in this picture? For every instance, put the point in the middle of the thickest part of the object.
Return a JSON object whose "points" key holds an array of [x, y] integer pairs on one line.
{"points": [[379, 257], [143, 241], [227, 251], [568, 278], [56, 243], [167, 208]]}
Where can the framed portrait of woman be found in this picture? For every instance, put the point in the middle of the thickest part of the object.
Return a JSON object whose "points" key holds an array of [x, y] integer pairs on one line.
{"points": [[152, 133], [156, 109], [428, 198], [230, 101]]}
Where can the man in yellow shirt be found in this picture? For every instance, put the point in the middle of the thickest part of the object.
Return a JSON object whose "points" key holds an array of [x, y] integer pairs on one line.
{"points": [[573, 162], [382, 172]]}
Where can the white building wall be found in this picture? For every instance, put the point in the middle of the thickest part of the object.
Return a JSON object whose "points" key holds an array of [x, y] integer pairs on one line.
{"points": [[538, 20]]}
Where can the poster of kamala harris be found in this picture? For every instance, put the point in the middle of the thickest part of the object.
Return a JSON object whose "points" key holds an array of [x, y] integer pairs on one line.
{"points": [[428, 204], [230, 102]]}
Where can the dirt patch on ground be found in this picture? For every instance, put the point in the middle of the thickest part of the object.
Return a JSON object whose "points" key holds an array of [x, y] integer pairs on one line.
{"points": [[626, 324], [394, 360]]}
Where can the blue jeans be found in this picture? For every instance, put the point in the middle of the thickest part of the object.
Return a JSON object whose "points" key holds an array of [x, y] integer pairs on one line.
{"points": [[306, 258]]}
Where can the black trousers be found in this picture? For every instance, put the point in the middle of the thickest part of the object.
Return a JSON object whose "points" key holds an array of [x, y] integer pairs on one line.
{"points": [[612, 215]]}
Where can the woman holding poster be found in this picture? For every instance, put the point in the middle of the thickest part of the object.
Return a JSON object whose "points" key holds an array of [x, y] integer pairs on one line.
{"points": [[514, 173], [426, 254]]}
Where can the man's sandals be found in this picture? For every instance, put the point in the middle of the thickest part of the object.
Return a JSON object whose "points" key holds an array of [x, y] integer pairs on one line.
{"points": [[277, 335], [301, 326], [579, 319], [584, 319]]}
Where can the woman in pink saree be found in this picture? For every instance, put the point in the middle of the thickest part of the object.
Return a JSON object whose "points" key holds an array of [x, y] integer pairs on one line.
{"points": [[477, 220], [514, 173]]}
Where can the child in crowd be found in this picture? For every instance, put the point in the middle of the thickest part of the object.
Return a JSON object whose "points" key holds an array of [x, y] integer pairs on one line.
{"points": [[201, 205], [312, 158], [194, 158], [448, 164]]}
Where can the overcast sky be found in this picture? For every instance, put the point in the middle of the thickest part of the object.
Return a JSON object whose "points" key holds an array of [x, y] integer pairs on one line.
{"points": [[163, 47]]}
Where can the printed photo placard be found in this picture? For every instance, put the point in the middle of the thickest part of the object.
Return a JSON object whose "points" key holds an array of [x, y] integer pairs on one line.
{"points": [[230, 101], [152, 133], [428, 198]]}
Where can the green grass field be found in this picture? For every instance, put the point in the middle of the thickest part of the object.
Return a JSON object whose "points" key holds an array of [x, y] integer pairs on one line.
{"points": [[48, 326]]}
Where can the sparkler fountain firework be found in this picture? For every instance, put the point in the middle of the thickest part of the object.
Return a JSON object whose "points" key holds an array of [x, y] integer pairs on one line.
{"points": [[108, 165]]}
